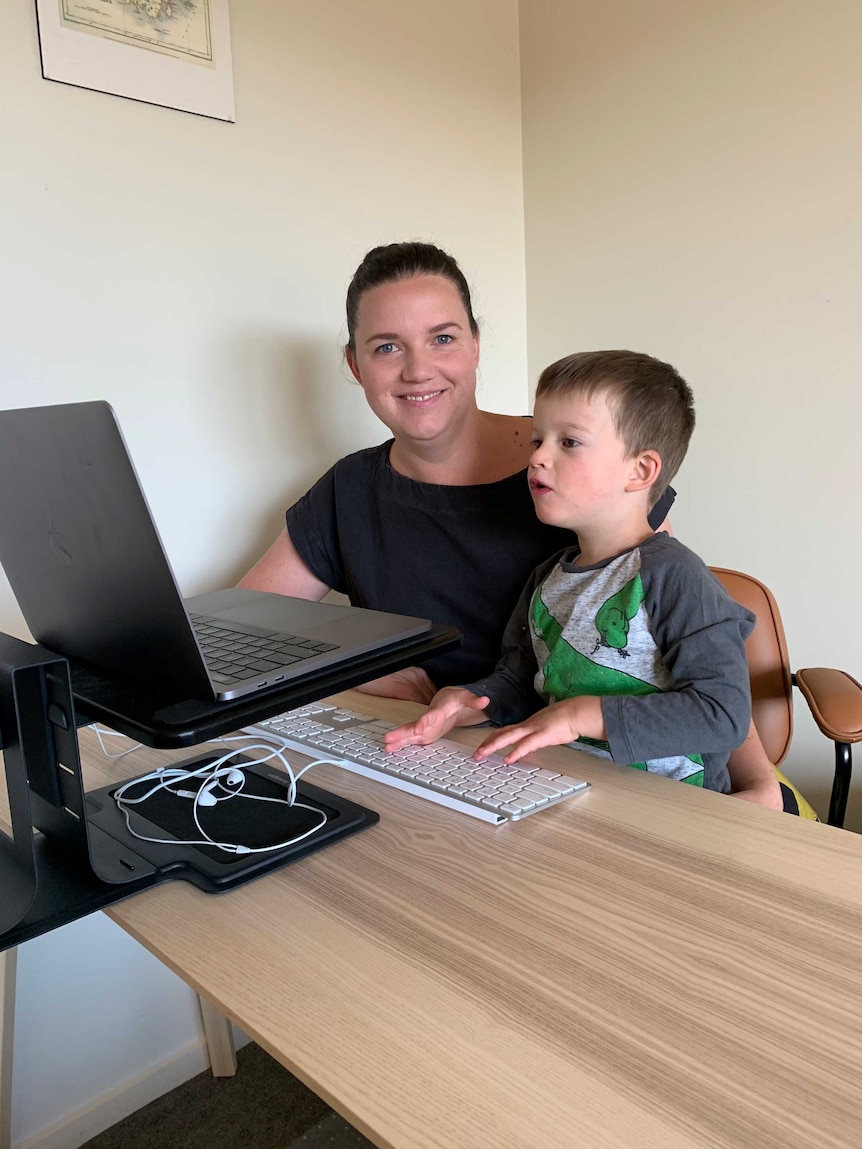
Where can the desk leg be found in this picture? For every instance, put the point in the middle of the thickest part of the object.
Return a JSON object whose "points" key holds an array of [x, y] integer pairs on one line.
{"points": [[8, 968], [219, 1038]]}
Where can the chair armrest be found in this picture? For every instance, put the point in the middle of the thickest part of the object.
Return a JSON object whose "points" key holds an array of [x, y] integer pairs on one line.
{"points": [[835, 702]]}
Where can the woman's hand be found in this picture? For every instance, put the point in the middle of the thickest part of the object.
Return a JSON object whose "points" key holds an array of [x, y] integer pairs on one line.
{"points": [[766, 793], [452, 706], [752, 776], [412, 684], [556, 725]]}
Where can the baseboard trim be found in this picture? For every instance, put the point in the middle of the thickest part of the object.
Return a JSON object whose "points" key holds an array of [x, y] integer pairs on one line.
{"points": [[126, 1098]]}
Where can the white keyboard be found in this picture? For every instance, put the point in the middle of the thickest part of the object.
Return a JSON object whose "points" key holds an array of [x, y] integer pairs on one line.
{"points": [[444, 772]]}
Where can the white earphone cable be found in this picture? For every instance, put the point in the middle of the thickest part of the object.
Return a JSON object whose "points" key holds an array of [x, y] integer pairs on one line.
{"points": [[215, 775]]}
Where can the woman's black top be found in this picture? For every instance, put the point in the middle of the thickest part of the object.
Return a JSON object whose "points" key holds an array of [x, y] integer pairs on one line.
{"points": [[457, 555]]}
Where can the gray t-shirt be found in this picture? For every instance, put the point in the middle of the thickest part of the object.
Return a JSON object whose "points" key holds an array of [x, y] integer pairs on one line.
{"points": [[651, 632]]}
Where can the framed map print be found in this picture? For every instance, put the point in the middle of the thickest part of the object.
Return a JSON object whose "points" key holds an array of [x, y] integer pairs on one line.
{"points": [[175, 53]]}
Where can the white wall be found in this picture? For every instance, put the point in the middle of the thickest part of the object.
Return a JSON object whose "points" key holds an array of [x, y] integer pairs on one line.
{"points": [[693, 181], [193, 273], [102, 1028]]}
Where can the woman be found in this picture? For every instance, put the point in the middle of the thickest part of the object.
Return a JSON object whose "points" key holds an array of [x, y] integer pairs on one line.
{"points": [[438, 521]]}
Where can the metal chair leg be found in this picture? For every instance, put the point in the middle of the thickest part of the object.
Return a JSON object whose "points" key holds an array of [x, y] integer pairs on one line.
{"points": [[841, 784]]}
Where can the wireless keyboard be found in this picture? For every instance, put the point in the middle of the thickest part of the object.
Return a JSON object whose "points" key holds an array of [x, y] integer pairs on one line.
{"points": [[444, 772]]}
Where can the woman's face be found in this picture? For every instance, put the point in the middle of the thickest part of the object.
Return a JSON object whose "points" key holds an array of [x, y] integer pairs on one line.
{"points": [[416, 356]]}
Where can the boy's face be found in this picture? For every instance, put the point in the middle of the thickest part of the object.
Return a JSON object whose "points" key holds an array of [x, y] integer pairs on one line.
{"points": [[579, 474]]}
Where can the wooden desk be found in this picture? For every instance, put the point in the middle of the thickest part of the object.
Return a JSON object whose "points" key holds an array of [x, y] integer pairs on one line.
{"points": [[647, 965]]}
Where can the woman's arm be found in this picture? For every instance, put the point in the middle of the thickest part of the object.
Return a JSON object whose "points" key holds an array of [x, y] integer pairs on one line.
{"points": [[282, 571]]}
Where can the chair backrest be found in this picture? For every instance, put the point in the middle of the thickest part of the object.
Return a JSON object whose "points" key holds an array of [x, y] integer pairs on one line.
{"points": [[768, 663]]}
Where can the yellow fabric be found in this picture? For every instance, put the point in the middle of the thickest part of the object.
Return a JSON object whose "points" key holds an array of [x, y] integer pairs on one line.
{"points": [[806, 810]]}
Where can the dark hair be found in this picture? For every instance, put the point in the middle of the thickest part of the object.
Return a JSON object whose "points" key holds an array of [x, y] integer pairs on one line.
{"points": [[650, 403], [396, 261]]}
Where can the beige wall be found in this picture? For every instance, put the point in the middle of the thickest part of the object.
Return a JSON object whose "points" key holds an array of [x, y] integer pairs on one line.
{"points": [[693, 182], [193, 273]]}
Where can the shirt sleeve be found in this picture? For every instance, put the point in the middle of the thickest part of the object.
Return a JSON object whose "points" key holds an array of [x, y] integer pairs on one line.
{"points": [[511, 686], [701, 633], [312, 524]]}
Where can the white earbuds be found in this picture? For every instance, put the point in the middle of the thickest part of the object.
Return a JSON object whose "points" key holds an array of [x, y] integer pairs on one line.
{"points": [[206, 797], [217, 776], [203, 796]]}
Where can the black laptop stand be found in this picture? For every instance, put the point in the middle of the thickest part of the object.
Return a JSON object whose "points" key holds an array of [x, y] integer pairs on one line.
{"points": [[81, 857]]}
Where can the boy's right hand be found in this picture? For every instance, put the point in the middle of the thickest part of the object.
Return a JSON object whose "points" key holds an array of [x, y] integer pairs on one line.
{"points": [[452, 706]]}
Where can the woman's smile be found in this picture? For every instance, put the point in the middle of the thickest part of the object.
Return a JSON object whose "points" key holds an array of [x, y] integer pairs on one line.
{"points": [[424, 397]]}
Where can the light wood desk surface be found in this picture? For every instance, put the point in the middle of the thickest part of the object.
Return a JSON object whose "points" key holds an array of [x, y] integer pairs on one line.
{"points": [[644, 966]]}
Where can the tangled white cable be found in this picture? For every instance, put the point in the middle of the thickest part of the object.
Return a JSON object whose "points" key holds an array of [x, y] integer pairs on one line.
{"points": [[222, 781]]}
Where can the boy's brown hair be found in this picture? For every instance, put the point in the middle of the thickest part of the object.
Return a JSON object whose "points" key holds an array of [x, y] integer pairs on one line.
{"points": [[650, 403]]}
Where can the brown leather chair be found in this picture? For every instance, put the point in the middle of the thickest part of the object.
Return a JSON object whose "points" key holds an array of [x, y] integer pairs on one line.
{"points": [[834, 698]]}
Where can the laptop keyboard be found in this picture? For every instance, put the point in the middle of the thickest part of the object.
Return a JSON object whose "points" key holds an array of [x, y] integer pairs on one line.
{"points": [[444, 771], [235, 651]]}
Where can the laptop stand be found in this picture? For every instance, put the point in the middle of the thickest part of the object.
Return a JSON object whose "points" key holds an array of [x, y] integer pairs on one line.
{"points": [[82, 858]]}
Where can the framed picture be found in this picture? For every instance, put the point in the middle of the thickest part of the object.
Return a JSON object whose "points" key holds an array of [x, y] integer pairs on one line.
{"points": [[175, 53]]}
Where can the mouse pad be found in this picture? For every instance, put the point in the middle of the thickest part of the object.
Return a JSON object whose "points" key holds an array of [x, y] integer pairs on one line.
{"points": [[238, 819]]}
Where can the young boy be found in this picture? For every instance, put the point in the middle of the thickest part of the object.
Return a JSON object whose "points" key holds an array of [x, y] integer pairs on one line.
{"points": [[625, 644]]}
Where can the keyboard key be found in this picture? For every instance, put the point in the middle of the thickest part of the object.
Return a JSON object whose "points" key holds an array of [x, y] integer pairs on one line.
{"points": [[535, 796], [295, 653], [549, 791], [243, 628]]}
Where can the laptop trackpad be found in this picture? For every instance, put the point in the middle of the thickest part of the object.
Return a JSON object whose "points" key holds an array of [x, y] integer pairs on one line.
{"points": [[271, 611]]}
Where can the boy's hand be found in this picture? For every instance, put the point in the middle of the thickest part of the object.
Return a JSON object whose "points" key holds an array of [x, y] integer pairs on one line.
{"points": [[452, 706], [556, 725]]}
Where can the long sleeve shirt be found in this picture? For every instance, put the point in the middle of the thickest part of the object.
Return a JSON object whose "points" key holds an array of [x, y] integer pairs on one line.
{"points": [[652, 633]]}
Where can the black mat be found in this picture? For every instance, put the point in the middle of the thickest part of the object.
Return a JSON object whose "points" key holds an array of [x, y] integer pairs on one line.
{"points": [[237, 816]]}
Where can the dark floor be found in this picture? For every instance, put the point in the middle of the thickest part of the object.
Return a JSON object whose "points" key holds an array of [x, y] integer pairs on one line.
{"points": [[262, 1107]]}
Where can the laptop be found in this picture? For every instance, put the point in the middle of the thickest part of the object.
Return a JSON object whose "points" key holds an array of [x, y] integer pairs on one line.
{"points": [[87, 566]]}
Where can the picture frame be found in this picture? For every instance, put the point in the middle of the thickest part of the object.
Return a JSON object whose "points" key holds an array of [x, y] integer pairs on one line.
{"points": [[173, 53]]}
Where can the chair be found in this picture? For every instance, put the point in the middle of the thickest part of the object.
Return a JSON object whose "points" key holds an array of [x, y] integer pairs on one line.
{"points": [[833, 697]]}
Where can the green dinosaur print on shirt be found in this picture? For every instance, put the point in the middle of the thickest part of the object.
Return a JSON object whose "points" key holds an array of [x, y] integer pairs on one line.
{"points": [[568, 673], [694, 779], [613, 617]]}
